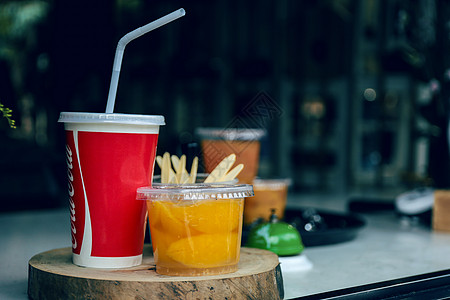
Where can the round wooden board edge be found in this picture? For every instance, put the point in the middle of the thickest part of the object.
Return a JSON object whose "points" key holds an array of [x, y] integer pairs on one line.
{"points": [[269, 258], [265, 284]]}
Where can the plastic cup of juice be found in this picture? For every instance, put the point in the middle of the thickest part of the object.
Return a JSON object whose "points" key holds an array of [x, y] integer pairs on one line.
{"points": [[270, 194], [196, 229], [216, 144], [108, 157]]}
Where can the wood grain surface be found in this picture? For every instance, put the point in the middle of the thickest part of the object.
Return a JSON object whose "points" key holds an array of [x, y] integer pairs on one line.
{"points": [[52, 275]]}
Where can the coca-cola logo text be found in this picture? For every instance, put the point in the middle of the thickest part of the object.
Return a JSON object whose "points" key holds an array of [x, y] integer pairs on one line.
{"points": [[69, 161]]}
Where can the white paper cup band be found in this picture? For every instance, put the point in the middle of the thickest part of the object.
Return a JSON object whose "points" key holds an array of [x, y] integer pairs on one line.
{"points": [[106, 262]]}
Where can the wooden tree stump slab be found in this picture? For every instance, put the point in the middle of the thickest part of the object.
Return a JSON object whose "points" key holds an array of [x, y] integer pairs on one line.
{"points": [[52, 275]]}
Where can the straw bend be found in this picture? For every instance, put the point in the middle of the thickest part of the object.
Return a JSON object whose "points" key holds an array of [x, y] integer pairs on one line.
{"points": [[149, 27], [121, 48]]}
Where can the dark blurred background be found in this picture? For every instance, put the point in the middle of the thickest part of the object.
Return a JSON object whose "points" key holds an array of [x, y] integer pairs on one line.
{"points": [[353, 93]]}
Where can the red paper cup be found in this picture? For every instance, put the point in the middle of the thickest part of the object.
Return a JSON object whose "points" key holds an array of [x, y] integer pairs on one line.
{"points": [[108, 157]]}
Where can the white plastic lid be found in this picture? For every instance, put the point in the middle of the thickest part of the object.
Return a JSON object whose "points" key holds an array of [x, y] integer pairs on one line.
{"points": [[83, 117], [244, 134], [271, 184], [195, 192]]}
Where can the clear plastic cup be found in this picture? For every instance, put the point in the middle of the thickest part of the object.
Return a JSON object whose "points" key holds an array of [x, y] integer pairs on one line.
{"points": [[270, 194], [108, 157], [216, 144], [196, 229]]}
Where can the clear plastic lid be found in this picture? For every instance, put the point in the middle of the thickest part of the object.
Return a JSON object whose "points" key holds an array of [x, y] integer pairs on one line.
{"points": [[195, 192], [84, 117], [231, 134]]}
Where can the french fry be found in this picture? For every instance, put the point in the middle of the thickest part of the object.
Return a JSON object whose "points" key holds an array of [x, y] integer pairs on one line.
{"points": [[181, 168], [221, 169], [180, 171], [165, 168], [194, 167], [175, 161], [159, 161], [233, 173]]}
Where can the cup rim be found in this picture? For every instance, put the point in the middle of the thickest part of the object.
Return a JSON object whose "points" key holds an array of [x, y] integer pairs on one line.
{"points": [[230, 134], [271, 183], [115, 118], [194, 191]]}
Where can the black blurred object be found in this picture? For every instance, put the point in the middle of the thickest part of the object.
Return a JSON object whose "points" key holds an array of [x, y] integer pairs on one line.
{"points": [[438, 158], [32, 177], [192, 149], [364, 205], [414, 207], [319, 227], [435, 285]]}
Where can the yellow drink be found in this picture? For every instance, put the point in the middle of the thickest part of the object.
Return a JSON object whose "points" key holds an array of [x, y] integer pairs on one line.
{"points": [[199, 236]]}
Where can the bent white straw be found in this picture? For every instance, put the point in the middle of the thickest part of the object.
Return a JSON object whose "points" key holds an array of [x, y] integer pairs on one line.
{"points": [[121, 48]]}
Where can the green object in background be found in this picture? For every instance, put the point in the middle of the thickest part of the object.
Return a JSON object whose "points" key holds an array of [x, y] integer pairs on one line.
{"points": [[7, 113], [279, 237]]}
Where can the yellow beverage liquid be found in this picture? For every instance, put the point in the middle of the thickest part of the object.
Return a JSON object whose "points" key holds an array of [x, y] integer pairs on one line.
{"points": [[196, 237]]}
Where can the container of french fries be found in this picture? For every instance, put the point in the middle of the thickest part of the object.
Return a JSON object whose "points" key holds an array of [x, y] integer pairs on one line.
{"points": [[195, 228], [173, 170], [201, 177]]}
